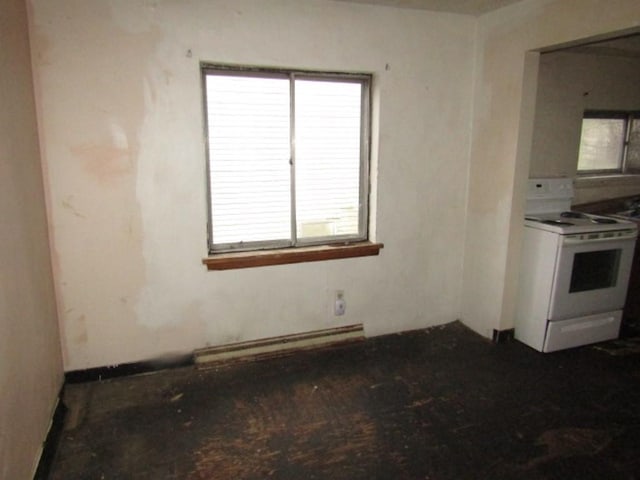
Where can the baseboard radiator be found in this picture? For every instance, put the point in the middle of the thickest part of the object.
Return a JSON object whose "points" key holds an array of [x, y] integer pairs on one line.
{"points": [[277, 346]]}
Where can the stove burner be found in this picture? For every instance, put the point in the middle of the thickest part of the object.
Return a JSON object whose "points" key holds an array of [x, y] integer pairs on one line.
{"points": [[594, 219], [603, 220], [557, 222], [573, 215]]}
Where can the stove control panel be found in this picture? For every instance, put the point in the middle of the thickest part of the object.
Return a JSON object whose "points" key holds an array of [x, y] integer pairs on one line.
{"points": [[550, 188], [548, 195], [629, 233]]}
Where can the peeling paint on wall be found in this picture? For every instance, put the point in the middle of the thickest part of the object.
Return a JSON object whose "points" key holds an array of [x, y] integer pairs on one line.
{"points": [[122, 126]]}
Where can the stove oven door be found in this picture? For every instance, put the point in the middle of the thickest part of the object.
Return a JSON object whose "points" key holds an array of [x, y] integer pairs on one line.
{"points": [[591, 275]]}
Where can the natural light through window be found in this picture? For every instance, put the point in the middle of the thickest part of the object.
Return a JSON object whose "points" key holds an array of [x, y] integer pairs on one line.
{"points": [[602, 143], [327, 134], [249, 158], [609, 143], [288, 158]]}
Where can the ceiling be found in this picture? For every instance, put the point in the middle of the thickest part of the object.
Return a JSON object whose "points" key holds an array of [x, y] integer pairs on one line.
{"points": [[627, 46], [468, 7]]}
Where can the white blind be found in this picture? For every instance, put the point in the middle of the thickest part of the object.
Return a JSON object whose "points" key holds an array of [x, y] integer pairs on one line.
{"points": [[601, 144], [249, 153], [251, 184]]}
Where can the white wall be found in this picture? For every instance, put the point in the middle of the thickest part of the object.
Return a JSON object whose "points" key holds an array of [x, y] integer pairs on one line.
{"points": [[30, 360], [119, 94], [502, 136], [569, 84]]}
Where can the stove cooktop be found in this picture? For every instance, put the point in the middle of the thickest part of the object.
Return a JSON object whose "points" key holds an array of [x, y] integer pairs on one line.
{"points": [[570, 222]]}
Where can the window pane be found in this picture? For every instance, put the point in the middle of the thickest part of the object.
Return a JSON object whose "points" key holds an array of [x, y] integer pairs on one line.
{"points": [[633, 148], [601, 144], [328, 142], [249, 152]]}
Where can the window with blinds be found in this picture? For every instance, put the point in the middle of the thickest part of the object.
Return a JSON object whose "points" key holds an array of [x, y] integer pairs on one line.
{"points": [[609, 143], [288, 158]]}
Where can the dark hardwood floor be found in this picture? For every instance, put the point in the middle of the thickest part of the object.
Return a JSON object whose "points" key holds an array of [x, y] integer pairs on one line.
{"points": [[442, 403]]}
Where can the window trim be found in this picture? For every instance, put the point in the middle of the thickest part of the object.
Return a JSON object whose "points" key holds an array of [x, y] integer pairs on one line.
{"points": [[283, 256], [365, 80], [628, 116]]}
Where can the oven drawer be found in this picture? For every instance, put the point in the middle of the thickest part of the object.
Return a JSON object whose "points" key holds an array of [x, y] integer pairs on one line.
{"points": [[582, 331]]}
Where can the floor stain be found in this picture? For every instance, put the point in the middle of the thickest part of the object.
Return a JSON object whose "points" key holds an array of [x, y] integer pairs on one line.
{"points": [[569, 442], [401, 407]]}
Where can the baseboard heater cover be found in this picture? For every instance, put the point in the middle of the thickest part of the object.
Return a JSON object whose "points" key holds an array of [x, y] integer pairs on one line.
{"points": [[277, 346]]}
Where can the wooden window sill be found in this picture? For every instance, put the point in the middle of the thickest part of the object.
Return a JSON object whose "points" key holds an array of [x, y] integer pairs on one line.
{"points": [[263, 258]]}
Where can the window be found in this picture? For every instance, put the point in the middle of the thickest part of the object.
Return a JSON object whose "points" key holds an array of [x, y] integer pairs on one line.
{"points": [[610, 143], [288, 157]]}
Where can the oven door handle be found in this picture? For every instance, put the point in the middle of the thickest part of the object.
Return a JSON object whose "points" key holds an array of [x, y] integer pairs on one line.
{"points": [[582, 239]]}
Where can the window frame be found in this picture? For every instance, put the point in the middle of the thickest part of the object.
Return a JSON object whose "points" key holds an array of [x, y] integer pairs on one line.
{"points": [[365, 80], [628, 116]]}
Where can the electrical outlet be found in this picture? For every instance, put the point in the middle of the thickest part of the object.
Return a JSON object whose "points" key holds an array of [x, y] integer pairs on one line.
{"points": [[339, 305]]}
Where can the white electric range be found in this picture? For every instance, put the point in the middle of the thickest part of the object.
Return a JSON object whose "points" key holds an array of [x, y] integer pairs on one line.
{"points": [[574, 270]]}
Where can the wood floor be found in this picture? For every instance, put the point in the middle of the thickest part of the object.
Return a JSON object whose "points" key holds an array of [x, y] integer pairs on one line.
{"points": [[436, 404]]}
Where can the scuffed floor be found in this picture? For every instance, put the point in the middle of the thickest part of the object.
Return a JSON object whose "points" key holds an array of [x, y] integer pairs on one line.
{"points": [[436, 404]]}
